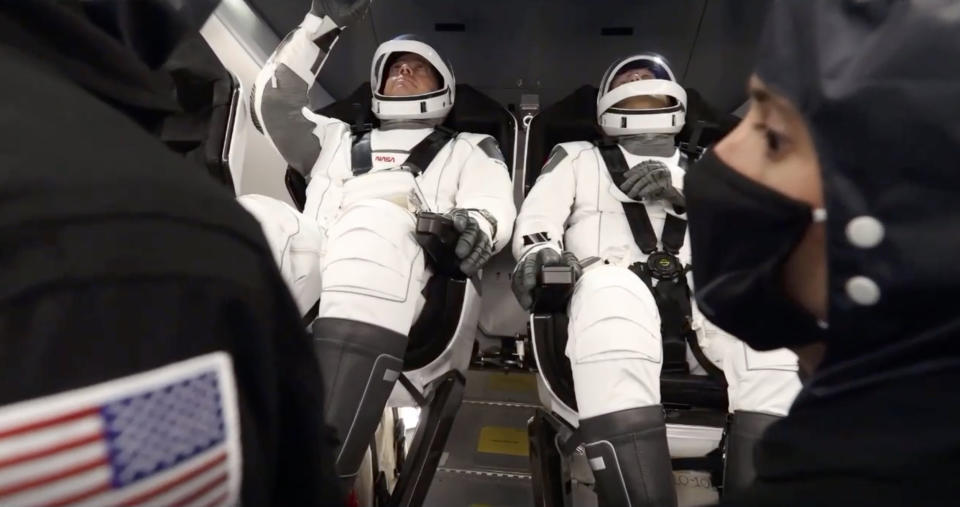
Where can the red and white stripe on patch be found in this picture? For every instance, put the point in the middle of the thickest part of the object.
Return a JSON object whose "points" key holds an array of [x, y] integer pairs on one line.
{"points": [[169, 436]]}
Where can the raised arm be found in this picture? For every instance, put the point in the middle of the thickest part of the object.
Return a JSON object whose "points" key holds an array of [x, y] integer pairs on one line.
{"points": [[280, 97]]}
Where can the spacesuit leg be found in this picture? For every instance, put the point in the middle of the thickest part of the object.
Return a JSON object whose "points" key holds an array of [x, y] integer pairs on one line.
{"points": [[373, 275], [761, 386], [295, 241], [615, 356]]}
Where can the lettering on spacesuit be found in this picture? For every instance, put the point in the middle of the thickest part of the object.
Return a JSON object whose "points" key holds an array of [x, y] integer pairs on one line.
{"points": [[386, 158]]}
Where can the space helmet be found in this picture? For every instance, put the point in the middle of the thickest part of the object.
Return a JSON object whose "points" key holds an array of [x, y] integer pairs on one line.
{"points": [[432, 105], [620, 121]]}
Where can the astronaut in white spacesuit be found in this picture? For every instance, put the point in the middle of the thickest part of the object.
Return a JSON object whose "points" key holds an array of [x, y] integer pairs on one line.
{"points": [[353, 247], [614, 210]]}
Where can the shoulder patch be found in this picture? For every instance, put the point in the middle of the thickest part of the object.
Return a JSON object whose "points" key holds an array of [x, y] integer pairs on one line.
{"points": [[161, 437], [557, 154], [491, 148]]}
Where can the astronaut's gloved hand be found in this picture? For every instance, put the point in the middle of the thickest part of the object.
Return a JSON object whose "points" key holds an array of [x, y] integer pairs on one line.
{"points": [[474, 245], [525, 276], [650, 180], [342, 12]]}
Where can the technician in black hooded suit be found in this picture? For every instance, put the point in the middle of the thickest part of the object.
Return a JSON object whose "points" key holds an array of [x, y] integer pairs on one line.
{"points": [[137, 299], [827, 222]]}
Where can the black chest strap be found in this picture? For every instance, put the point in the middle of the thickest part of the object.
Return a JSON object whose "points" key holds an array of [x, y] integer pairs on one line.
{"points": [[361, 157], [674, 231], [420, 157], [641, 227], [672, 295], [674, 227], [426, 150]]}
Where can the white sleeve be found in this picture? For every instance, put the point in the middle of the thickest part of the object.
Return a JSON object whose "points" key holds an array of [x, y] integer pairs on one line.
{"points": [[485, 188], [280, 96], [547, 207]]}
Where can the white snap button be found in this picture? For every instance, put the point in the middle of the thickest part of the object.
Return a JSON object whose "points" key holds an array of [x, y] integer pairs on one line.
{"points": [[865, 232], [863, 290]]}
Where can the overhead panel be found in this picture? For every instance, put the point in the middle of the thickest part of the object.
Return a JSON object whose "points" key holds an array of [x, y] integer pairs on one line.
{"points": [[725, 51], [550, 47], [484, 40], [576, 41]]}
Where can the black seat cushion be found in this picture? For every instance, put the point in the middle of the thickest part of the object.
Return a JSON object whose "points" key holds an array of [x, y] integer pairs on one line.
{"points": [[438, 321]]}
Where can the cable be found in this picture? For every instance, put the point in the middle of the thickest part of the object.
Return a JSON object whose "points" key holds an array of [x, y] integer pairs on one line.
{"points": [[696, 38]]}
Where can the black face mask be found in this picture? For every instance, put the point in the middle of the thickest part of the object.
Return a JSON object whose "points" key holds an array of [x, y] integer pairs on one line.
{"points": [[741, 234]]}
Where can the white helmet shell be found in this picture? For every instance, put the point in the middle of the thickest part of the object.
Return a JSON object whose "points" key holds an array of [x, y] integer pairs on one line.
{"points": [[621, 122], [425, 106]]}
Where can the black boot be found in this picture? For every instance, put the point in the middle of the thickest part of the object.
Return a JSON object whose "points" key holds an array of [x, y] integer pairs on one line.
{"points": [[359, 364], [744, 429], [630, 459]]}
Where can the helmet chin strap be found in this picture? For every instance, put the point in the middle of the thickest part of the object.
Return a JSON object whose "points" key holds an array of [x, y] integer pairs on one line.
{"points": [[648, 145], [410, 124]]}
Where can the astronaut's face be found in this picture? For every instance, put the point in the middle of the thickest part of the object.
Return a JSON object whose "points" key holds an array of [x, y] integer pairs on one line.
{"points": [[773, 146], [641, 101], [410, 74]]}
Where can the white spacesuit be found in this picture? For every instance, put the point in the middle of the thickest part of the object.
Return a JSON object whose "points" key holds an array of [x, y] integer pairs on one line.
{"points": [[353, 246], [615, 206]]}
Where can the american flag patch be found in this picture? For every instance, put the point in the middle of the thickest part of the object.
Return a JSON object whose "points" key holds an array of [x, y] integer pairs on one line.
{"points": [[165, 437]]}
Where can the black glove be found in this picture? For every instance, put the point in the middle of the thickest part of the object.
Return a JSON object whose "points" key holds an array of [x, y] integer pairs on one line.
{"points": [[525, 276], [342, 12], [651, 180], [474, 247]]}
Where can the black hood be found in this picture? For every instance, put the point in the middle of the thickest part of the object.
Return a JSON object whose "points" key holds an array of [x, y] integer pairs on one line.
{"points": [[878, 82], [113, 48]]}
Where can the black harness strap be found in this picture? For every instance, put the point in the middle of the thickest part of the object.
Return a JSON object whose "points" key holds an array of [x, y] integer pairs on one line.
{"points": [[361, 158], [672, 295], [426, 150], [311, 314], [420, 157], [674, 231], [637, 217], [711, 369], [296, 187], [673, 305], [674, 227], [640, 226], [615, 161]]}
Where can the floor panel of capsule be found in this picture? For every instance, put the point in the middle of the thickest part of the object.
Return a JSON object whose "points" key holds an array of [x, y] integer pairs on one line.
{"points": [[486, 460]]}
